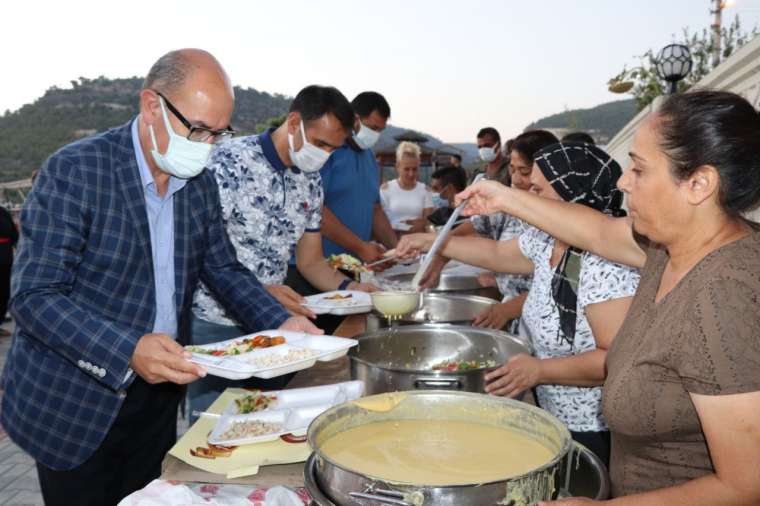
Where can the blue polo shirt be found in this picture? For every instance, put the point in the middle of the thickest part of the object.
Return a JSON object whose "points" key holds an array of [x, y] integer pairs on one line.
{"points": [[351, 183]]}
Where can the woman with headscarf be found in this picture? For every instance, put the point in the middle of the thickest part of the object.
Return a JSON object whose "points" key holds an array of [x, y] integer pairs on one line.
{"points": [[577, 300], [682, 393]]}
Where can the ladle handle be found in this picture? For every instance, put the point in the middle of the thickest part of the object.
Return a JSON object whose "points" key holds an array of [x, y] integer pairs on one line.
{"points": [[382, 496], [438, 383]]}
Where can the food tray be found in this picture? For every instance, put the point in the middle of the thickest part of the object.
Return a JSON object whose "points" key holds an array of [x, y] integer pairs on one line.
{"points": [[292, 421], [236, 367], [334, 394], [294, 410], [359, 302]]}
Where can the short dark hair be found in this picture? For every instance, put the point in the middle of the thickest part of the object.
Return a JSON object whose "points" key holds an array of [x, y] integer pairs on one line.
{"points": [[531, 142], [451, 176], [368, 101], [714, 128], [457, 156], [490, 131], [315, 101], [579, 137]]}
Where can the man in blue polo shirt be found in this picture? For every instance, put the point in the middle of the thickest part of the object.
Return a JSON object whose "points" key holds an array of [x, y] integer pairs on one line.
{"points": [[352, 214]]}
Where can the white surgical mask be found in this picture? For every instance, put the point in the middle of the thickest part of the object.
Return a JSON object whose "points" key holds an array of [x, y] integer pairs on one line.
{"points": [[366, 138], [309, 158], [183, 158], [487, 154], [439, 201]]}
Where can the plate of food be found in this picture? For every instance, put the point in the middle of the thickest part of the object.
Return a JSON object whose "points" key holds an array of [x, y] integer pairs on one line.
{"points": [[265, 416], [256, 400], [239, 359], [346, 262], [340, 302]]}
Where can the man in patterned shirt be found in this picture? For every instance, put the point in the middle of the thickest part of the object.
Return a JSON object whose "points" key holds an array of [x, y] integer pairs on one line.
{"points": [[271, 196]]}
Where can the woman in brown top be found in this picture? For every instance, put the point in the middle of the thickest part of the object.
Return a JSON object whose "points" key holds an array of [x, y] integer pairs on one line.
{"points": [[682, 394]]}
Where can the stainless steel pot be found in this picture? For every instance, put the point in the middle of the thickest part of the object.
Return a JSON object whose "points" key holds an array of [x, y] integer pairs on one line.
{"points": [[466, 284], [453, 308], [587, 478], [347, 487], [401, 359]]}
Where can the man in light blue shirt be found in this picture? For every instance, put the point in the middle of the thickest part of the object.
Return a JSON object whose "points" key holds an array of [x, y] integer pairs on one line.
{"points": [[160, 211]]}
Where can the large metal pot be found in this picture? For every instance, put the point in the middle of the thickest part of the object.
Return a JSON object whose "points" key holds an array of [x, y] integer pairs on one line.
{"points": [[453, 308], [466, 284], [347, 487], [400, 359], [587, 477]]}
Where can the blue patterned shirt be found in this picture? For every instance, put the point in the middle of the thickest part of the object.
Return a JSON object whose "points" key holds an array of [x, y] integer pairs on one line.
{"points": [[266, 208]]}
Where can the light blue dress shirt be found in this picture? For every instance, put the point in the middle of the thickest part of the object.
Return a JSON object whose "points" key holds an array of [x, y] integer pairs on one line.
{"points": [[160, 211]]}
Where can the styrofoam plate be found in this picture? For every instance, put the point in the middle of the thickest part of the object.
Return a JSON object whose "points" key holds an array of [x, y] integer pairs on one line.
{"points": [[360, 302], [334, 394]]}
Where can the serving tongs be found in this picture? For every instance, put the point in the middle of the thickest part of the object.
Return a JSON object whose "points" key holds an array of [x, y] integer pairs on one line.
{"points": [[440, 239], [387, 257]]}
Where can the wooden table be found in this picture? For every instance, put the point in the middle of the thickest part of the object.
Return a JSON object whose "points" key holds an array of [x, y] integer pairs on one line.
{"points": [[290, 475]]}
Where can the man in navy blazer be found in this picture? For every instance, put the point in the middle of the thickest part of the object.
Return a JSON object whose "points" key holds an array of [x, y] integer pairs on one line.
{"points": [[115, 235]]}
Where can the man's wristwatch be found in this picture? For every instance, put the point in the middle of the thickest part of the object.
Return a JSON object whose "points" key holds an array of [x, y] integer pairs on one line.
{"points": [[344, 284]]}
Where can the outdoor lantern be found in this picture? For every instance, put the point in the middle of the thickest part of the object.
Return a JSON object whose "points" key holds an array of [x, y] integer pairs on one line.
{"points": [[673, 64]]}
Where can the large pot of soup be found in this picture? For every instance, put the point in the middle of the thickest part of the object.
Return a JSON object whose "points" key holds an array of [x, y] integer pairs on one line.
{"points": [[441, 448], [439, 356]]}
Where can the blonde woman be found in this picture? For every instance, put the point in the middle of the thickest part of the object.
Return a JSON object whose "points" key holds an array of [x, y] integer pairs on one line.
{"points": [[406, 201]]}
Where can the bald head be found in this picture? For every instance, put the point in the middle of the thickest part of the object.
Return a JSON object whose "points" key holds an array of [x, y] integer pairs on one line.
{"points": [[174, 69], [198, 89]]}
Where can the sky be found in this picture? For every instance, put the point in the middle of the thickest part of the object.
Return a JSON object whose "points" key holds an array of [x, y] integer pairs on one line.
{"points": [[446, 67]]}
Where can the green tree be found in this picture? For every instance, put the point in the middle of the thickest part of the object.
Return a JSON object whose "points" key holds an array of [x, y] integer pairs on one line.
{"points": [[645, 85]]}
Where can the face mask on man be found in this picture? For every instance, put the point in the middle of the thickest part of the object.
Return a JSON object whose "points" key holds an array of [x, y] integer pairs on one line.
{"points": [[309, 158], [440, 201], [487, 154], [366, 138], [183, 158]]}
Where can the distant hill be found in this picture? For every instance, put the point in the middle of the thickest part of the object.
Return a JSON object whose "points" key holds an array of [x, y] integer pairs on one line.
{"points": [[607, 119], [32, 133]]}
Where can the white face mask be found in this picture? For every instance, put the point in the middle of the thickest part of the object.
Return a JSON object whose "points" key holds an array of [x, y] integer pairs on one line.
{"points": [[440, 201], [487, 154], [183, 158], [309, 158], [366, 138]]}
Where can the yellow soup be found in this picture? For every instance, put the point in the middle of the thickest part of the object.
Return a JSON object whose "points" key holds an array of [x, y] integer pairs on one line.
{"points": [[437, 453]]}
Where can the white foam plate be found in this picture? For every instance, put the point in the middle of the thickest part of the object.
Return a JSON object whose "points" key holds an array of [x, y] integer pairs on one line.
{"points": [[332, 395], [237, 367], [360, 302]]}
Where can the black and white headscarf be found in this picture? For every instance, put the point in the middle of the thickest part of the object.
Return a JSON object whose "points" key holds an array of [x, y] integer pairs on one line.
{"points": [[584, 174]]}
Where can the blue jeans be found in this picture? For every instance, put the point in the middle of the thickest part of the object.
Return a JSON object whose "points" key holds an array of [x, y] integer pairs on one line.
{"points": [[203, 392]]}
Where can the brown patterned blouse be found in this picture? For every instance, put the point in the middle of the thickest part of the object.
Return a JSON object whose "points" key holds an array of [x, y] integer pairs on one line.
{"points": [[703, 338]]}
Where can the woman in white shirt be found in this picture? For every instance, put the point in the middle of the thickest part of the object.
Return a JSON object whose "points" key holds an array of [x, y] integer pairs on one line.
{"points": [[406, 201]]}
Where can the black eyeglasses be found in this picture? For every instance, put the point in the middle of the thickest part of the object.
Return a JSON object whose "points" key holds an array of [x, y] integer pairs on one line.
{"points": [[197, 133]]}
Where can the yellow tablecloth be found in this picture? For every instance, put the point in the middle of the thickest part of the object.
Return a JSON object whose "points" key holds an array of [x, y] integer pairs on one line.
{"points": [[245, 460]]}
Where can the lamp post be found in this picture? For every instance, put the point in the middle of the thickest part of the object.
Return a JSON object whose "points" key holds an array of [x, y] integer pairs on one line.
{"points": [[674, 64]]}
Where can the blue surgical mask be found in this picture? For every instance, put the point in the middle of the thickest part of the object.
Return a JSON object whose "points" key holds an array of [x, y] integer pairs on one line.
{"points": [[439, 201], [366, 138]]}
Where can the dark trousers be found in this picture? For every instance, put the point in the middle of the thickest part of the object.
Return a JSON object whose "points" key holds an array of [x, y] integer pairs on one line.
{"points": [[597, 442], [297, 282], [128, 458]]}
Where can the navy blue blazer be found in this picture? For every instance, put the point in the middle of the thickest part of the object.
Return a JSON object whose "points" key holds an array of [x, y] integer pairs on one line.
{"points": [[83, 292]]}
